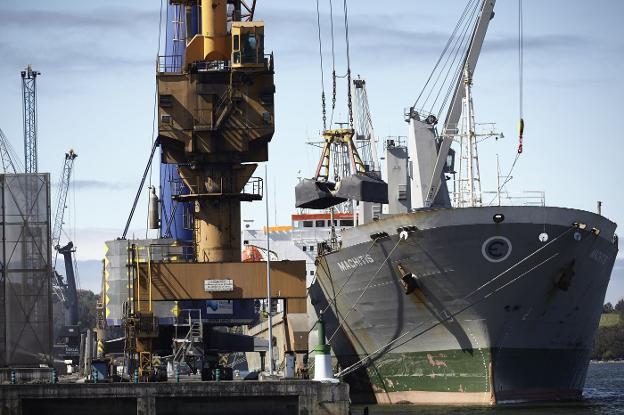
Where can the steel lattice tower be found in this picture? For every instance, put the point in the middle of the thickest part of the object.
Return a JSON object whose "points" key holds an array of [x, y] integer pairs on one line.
{"points": [[29, 90]]}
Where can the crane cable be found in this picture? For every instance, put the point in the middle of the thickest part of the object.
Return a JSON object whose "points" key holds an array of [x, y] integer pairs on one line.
{"points": [[456, 65], [337, 293], [520, 74], [73, 227], [320, 40], [333, 52], [508, 177], [335, 76], [155, 106], [447, 62], [446, 47], [349, 97], [370, 281], [334, 301]]}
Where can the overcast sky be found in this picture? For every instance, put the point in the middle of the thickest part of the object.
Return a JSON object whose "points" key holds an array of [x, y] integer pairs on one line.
{"points": [[96, 94]]}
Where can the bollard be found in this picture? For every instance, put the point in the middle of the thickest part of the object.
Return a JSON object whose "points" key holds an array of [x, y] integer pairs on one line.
{"points": [[218, 374], [136, 375], [54, 376], [177, 373], [13, 378], [95, 376]]}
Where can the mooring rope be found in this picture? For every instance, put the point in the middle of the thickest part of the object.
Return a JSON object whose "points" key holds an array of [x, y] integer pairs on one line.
{"points": [[329, 301], [365, 289]]}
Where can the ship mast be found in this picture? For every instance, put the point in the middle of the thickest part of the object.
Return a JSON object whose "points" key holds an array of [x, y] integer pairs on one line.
{"points": [[470, 185], [468, 181]]}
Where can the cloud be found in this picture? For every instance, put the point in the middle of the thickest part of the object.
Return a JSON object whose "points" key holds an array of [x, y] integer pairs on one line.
{"points": [[67, 57], [107, 38], [550, 43], [100, 185], [97, 185], [78, 40], [124, 18], [368, 34], [373, 39]]}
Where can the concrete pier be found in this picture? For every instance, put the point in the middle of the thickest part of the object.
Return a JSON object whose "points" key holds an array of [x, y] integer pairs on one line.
{"points": [[232, 398]]}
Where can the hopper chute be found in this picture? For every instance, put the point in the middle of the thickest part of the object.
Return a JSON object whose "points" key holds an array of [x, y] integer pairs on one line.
{"points": [[315, 194], [364, 187]]}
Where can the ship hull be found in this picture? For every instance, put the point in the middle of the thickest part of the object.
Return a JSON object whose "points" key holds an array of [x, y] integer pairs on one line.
{"points": [[464, 310]]}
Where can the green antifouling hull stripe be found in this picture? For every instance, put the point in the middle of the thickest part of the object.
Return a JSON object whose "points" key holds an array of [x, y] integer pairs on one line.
{"points": [[437, 371]]}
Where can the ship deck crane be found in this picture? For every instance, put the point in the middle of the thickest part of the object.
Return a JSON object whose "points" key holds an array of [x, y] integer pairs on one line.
{"points": [[8, 156], [364, 132], [352, 181], [455, 109]]}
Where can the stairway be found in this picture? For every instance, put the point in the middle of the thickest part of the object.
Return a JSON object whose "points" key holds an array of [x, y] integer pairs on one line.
{"points": [[188, 341]]}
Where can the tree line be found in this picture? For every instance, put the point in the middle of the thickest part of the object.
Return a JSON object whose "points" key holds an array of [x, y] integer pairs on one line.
{"points": [[609, 343], [87, 316]]}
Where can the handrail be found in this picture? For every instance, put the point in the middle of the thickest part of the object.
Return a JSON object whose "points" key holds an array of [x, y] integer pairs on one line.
{"points": [[169, 64], [527, 198], [254, 186]]}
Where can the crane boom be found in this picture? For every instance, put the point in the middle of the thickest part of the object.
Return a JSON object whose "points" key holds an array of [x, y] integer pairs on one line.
{"points": [[365, 134], [69, 288], [63, 188], [29, 91], [454, 112], [65, 290], [8, 165]]}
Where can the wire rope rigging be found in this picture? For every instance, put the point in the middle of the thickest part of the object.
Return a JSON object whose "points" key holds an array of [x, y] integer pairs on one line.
{"points": [[341, 176], [509, 176]]}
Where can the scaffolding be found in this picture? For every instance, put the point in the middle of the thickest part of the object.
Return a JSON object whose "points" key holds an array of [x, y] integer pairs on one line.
{"points": [[25, 270]]}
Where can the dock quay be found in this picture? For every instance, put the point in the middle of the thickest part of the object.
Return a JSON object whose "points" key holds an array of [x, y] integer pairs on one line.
{"points": [[248, 397]]}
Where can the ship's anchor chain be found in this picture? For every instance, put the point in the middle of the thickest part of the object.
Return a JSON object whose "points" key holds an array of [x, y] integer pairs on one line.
{"points": [[391, 345]]}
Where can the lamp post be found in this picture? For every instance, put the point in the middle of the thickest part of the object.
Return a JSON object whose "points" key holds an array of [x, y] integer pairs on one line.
{"points": [[268, 270]]}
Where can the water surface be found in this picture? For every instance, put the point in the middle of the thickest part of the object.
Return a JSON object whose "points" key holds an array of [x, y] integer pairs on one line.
{"points": [[604, 394]]}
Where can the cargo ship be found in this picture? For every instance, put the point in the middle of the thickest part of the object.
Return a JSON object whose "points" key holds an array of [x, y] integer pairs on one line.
{"points": [[466, 306], [447, 297]]}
